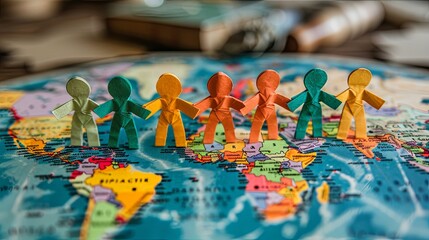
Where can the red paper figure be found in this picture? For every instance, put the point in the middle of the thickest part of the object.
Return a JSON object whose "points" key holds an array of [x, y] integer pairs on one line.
{"points": [[265, 99], [219, 87]]}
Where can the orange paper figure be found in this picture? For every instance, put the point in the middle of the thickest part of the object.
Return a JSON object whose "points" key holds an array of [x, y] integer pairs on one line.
{"points": [[169, 88], [265, 99], [219, 87], [353, 108]]}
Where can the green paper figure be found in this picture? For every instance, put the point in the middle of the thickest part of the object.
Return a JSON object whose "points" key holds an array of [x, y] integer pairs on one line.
{"points": [[120, 89], [82, 106], [314, 80]]}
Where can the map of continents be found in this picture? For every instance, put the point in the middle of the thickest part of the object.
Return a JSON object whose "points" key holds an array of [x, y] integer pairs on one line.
{"points": [[287, 188]]}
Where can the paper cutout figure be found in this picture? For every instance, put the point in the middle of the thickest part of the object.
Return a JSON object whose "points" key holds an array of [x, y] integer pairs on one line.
{"points": [[314, 80], [169, 88], [120, 89], [353, 108], [79, 89], [219, 87], [267, 83]]}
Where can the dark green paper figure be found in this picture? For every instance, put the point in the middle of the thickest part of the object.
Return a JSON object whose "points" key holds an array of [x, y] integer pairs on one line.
{"points": [[120, 89], [314, 80]]}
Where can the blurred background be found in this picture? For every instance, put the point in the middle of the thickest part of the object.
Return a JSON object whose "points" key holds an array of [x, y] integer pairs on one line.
{"points": [[40, 35]]}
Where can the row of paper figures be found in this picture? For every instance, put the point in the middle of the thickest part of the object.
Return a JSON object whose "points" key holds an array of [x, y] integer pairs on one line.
{"points": [[219, 86]]}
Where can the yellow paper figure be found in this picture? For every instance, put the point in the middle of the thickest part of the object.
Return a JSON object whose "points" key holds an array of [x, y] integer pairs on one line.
{"points": [[169, 88], [353, 98], [82, 106]]}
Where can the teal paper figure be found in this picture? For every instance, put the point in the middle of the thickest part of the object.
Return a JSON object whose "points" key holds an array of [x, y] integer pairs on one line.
{"points": [[120, 89], [314, 80]]}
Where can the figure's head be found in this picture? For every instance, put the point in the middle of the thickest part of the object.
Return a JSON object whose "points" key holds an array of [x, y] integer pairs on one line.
{"points": [[219, 85], [315, 79], [78, 87], [268, 81], [168, 86], [120, 88], [359, 79]]}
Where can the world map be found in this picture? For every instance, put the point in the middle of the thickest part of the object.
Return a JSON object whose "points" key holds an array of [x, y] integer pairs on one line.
{"points": [[285, 188]]}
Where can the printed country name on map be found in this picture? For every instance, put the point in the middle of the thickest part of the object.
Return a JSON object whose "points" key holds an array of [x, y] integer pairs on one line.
{"points": [[400, 125], [206, 189], [213, 198], [406, 133], [123, 180], [31, 231], [10, 188]]}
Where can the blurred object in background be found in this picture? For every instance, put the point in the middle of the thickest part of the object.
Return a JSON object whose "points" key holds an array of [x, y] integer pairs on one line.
{"points": [[265, 34], [28, 10], [408, 46], [73, 33], [37, 35], [185, 25], [404, 12], [335, 25]]}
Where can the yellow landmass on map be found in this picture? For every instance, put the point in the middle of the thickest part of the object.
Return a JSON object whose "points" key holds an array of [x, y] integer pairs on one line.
{"points": [[131, 187], [233, 151], [366, 145], [280, 210], [33, 133], [323, 193], [288, 205], [7, 99], [296, 156], [293, 193]]}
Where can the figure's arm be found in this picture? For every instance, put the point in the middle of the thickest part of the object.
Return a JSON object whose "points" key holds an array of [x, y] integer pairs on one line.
{"points": [[203, 105], [297, 100], [282, 101], [104, 109], [137, 109], [153, 106], [250, 104], [344, 95], [329, 100], [63, 110], [187, 108], [92, 104], [372, 99], [236, 103]]}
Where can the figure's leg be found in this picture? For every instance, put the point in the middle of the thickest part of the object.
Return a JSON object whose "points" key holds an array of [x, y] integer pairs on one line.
{"points": [[210, 129], [317, 123], [115, 129], [92, 133], [301, 126], [345, 122], [360, 123], [273, 127], [161, 132], [255, 129], [130, 129], [229, 129], [76, 132], [179, 132]]}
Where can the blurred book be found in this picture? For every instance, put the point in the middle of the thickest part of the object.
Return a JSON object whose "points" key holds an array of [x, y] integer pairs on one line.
{"points": [[407, 46], [185, 25]]}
